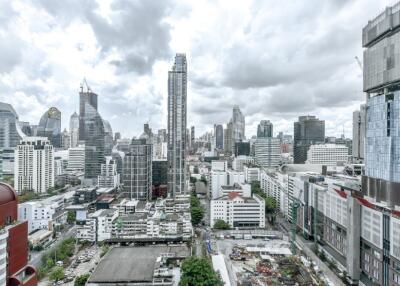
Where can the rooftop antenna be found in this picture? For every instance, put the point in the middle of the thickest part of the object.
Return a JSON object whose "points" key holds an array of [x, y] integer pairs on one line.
{"points": [[87, 86]]}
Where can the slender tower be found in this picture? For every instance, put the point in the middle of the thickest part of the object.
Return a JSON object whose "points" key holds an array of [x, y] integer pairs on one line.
{"points": [[177, 105]]}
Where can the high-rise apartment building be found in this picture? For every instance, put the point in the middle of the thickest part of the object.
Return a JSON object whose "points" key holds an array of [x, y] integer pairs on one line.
{"points": [[108, 178], [177, 106], [219, 136], [137, 170], [265, 129], [359, 117], [10, 133], [308, 130], [76, 159], [74, 129], [34, 165], [267, 152], [50, 127]]}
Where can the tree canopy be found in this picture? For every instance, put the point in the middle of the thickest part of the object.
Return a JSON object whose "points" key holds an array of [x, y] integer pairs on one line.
{"points": [[221, 224], [197, 271], [81, 280]]}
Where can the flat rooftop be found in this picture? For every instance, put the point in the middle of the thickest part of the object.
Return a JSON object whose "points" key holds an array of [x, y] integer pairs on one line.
{"points": [[122, 265]]}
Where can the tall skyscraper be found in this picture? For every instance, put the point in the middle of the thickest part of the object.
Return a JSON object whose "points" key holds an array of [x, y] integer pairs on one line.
{"points": [[238, 126], [177, 106], [265, 129], [34, 165], [108, 138], [381, 79], [192, 137], [308, 130], [50, 126], [137, 170], [94, 131], [219, 136], [86, 98], [228, 138], [10, 133], [74, 129], [359, 117], [65, 139]]}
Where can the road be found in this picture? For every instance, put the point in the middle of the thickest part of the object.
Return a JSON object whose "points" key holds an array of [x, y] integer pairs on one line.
{"points": [[36, 257]]}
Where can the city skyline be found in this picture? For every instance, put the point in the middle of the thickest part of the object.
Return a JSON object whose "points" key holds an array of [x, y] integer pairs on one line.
{"points": [[129, 72]]}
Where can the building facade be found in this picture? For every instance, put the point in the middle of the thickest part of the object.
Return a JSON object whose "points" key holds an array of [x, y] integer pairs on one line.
{"points": [[327, 154], [137, 170], [265, 129], [34, 165], [50, 127], [219, 136], [267, 152], [308, 130], [177, 117], [238, 126], [74, 129], [10, 133]]}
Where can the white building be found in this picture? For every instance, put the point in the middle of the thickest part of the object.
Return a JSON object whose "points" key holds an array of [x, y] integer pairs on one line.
{"points": [[239, 162], [242, 189], [34, 165], [327, 154], [235, 177], [217, 179], [109, 178], [76, 158], [219, 165], [251, 174], [267, 152], [238, 211], [43, 214]]}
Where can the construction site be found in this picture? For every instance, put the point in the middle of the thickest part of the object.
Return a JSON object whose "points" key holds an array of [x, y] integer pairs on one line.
{"points": [[262, 263]]}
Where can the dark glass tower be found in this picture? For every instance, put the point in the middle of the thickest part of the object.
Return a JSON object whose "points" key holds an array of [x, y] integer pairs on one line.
{"points": [[219, 136], [50, 126], [85, 98], [308, 130]]}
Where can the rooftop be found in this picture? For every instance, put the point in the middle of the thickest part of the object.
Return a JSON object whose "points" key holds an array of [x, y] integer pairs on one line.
{"points": [[132, 264]]}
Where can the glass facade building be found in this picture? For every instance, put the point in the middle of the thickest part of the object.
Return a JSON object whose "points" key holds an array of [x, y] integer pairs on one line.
{"points": [[308, 130], [265, 129], [177, 107], [10, 133], [50, 127], [94, 142], [238, 126], [219, 136]]}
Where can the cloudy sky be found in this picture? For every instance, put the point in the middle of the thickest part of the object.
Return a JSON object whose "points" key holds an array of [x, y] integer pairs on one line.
{"points": [[275, 59]]}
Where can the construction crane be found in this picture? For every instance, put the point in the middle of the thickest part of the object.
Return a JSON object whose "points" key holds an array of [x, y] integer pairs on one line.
{"points": [[359, 63], [296, 204]]}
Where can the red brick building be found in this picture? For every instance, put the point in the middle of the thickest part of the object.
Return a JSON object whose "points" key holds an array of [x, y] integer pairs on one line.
{"points": [[14, 270]]}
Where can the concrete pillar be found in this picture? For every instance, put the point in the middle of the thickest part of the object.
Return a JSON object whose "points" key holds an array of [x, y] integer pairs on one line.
{"points": [[353, 239]]}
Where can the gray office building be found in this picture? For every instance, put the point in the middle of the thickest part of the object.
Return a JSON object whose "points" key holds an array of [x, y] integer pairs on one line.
{"points": [[265, 129], [10, 133], [308, 130], [137, 170], [50, 127], [86, 98], [177, 108], [108, 138], [219, 136], [238, 126]]}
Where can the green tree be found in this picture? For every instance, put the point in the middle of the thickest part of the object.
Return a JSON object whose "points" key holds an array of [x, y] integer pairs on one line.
{"points": [[221, 224], [204, 180], [57, 274], [193, 180], [197, 214], [195, 170], [198, 271], [81, 280], [71, 217]]}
